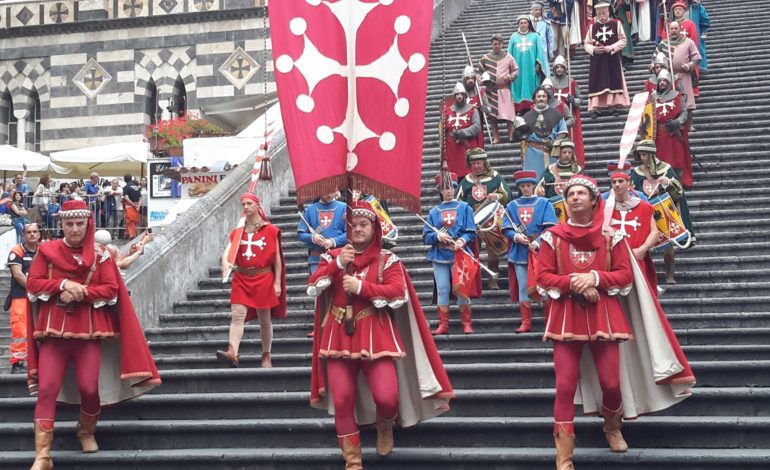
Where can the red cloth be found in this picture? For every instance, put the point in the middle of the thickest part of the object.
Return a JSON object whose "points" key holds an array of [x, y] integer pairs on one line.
{"points": [[465, 272], [378, 148], [673, 148], [454, 150], [576, 131], [257, 292], [637, 226]]}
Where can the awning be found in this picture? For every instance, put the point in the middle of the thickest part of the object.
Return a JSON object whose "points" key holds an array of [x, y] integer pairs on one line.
{"points": [[12, 159], [107, 160]]}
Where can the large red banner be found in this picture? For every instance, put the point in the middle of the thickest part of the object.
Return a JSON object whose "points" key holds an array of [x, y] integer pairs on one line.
{"points": [[352, 79]]}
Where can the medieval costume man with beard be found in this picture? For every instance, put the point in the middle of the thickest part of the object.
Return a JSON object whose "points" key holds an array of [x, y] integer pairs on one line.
{"points": [[685, 58], [568, 91], [499, 69], [672, 138], [606, 83], [461, 130], [543, 125]]}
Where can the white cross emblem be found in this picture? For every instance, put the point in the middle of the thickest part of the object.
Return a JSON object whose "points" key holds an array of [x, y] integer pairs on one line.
{"points": [[605, 33], [462, 273], [674, 228], [457, 120], [561, 96], [666, 105], [326, 221], [261, 244], [448, 219], [623, 223], [361, 275], [525, 215], [524, 45]]}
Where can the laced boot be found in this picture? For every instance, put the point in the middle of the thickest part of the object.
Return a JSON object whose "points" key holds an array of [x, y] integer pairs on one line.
{"points": [[86, 430], [351, 450], [384, 435], [443, 320], [526, 317], [465, 319], [612, 423], [43, 438], [564, 437], [668, 260], [267, 360], [229, 357]]}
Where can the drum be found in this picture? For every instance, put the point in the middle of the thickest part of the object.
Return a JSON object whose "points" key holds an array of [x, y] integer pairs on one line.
{"points": [[489, 222], [560, 207], [389, 229], [670, 226]]}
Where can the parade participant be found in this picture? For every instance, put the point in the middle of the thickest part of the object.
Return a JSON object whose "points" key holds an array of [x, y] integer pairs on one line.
{"points": [[634, 217], [461, 130], [327, 227], [553, 179], [19, 261], [469, 81], [586, 274], [477, 188], [560, 14], [525, 48], [542, 26], [557, 104], [624, 11], [697, 12], [612, 167], [685, 58], [543, 126], [79, 303], [499, 69], [606, 83], [458, 230], [672, 138], [568, 91], [259, 281], [366, 304], [659, 62], [531, 215], [655, 177]]}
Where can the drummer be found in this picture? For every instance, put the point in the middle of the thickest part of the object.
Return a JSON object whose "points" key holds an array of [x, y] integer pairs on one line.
{"points": [[526, 218], [479, 188], [455, 221], [555, 176], [655, 178]]}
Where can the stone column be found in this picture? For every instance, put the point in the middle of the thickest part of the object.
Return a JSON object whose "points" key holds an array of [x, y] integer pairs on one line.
{"points": [[21, 116]]}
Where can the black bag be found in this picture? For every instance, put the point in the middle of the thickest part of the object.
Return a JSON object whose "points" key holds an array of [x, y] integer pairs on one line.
{"points": [[7, 304]]}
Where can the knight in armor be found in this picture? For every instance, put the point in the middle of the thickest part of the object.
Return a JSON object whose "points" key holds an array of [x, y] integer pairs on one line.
{"points": [[542, 126], [327, 227], [543, 29], [557, 104], [475, 95], [526, 49], [461, 130], [659, 62], [672, 136], [568, 91], [480, 187], [685, 58], [527, 217], [454, 219], [365, 304], [604, 40], [499, 69], [553, 179], [655, 177]]}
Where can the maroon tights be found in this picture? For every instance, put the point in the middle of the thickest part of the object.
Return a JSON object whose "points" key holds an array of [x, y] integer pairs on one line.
{"points": [[342, 375], [566, 364], [54, 354]]}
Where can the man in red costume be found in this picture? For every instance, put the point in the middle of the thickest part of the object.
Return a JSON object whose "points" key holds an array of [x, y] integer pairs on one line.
{"points": [[461, 130], [366, 303], [81, 312], [599, 297], [259, 280]]}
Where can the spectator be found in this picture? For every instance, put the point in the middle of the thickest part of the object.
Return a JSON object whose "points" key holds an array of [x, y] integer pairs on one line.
{"points": [[143, 209], [132, 202], [93, 194], [113, 207], [41, 201], [20, 180], [19, 213]]}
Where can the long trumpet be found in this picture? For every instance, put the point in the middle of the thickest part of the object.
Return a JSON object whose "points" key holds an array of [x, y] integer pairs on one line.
{"points": [[489, 271]]}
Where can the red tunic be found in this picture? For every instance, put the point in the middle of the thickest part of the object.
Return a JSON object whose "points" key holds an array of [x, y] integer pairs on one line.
{"points": [[91, 318], [375, 335], [569, 316], [256, 251], [635, 224], [673, 148], [455, 149], [576, 131]]}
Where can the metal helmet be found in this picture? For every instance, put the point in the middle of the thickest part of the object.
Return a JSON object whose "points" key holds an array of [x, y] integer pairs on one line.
{"points": [[659, 59], [468, 71], [664, 74], [459, 88], [547, 83], [559, 60]]}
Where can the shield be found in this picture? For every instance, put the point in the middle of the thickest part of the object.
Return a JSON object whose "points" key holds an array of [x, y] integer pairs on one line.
{"points": [[581, 259], [479, 192], [526, 214], [325, 219], [449, 217]]}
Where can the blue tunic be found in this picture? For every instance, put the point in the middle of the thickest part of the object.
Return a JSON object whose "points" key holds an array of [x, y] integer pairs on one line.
{"points": [[538, 215], [457, 217], [331, 216], [535, 159]]}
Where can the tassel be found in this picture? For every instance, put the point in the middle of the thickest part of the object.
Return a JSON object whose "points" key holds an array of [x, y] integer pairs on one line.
{"points": [[265, 174]]}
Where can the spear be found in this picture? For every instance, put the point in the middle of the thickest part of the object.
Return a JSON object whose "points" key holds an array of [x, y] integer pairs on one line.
{"points": [[478, 92]]}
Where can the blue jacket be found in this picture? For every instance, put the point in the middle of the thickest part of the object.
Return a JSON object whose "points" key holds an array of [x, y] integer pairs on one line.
{"points": [[457, 217]]}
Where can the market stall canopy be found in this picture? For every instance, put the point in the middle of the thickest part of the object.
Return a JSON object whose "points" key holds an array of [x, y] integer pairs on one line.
{"points": [[107, 160], [12, 159]]}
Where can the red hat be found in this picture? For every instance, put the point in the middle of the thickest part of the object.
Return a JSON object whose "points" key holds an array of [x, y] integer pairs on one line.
{"points": [[362, 208], [78, 209], [620, 175], [253, 197], [679, 3], [525, 176]]}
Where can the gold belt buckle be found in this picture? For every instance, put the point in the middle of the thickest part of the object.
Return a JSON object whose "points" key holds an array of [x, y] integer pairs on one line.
{"points": [[339, 314]]}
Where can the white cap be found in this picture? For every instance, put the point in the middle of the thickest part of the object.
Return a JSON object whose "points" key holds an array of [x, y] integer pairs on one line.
{"points": [[103, 237]]}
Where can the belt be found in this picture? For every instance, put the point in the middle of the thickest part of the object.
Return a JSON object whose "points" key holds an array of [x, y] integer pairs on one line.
{"points": [[316, 252], [253, 271], [537, 145], [339, 314]]}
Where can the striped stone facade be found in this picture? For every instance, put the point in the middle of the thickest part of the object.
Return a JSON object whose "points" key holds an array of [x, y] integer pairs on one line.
{"points": [[97, 70]]}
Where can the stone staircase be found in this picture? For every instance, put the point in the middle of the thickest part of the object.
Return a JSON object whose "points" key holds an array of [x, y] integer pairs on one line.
{"points": [[208, 417]]}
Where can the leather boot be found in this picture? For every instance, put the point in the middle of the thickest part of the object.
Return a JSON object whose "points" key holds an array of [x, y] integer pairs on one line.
{"points": [[267, 361], [351, 451], [564, 437], [526, 317], [43, 440], [229, 357], [492, 265], [384, 435], [612, 423], [86, 430], [668, 260], [443, 320], [465, 319]]}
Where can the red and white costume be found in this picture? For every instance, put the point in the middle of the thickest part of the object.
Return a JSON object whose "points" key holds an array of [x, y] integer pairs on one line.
{"points": [[633, 220]]}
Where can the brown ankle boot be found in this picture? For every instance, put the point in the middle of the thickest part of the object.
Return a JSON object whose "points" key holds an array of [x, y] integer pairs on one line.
{"points": [[384, 435], [86, 430], [351, 451], [267, 361], [229, 357], [443, 321], [465, 319], [668, 260], [43, 440], [612, 423], [526, 317], [564, 437]]}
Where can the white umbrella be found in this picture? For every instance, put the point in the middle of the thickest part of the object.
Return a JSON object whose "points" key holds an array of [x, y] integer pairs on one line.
{"points": [[108, 160], [12, 159]]}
